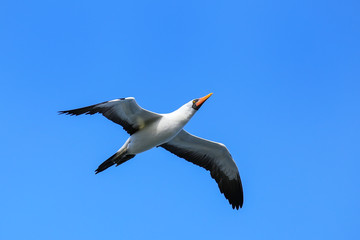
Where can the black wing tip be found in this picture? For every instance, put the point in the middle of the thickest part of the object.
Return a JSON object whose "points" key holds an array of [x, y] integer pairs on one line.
{"points": [[68, 112], [232, 190], [237, 205], [239, 198]]}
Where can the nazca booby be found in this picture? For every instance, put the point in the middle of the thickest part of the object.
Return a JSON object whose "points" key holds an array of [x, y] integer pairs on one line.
{"points": [[148, 129]]}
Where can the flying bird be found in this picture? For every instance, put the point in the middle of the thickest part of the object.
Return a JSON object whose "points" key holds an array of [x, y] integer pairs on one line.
{"points": [[148, 130]]}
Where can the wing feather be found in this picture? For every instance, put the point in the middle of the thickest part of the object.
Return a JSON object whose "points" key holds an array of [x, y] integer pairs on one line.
{"points": [[123, 111], [215, 158]]}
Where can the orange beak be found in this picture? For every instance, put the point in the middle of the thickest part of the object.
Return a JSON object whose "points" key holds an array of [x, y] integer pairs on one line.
{"points": [[203, 99]]}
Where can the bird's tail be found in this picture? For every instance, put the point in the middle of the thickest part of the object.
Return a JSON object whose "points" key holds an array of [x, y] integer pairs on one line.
{"points": [[118, 158]]}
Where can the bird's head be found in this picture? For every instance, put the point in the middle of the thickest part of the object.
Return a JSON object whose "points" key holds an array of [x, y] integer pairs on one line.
{"points": [[197, 103]]}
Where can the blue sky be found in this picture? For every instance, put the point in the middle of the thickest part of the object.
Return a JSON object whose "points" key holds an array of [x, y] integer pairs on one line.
{"points": [[285, 77]]}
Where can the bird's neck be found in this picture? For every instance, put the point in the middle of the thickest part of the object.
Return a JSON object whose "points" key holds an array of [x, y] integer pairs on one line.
{"points": [[183, 114]]}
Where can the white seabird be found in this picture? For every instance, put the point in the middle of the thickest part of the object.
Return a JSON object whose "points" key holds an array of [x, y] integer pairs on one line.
{"points": [[148, 129]]}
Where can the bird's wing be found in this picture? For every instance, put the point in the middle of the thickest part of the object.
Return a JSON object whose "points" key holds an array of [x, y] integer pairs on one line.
{"points": [[212, 156], [123, 111]]}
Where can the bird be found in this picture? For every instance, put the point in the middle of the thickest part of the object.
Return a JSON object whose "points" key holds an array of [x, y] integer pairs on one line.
{"points": [[149, 129]]}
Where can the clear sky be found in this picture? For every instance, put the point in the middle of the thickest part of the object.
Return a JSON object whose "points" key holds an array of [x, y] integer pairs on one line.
{"points": [[286, 83]]}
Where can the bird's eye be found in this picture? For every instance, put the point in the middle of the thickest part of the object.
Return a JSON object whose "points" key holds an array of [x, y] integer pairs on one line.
{"points": [[194, 101]]}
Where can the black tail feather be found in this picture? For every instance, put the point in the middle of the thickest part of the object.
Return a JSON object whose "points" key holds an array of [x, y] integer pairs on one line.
{"points": [[117, 159], [124, 159], [106, 164]]}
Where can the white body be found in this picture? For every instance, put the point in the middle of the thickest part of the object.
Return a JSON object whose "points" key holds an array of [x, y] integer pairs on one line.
{"points": [[160, 131]]}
